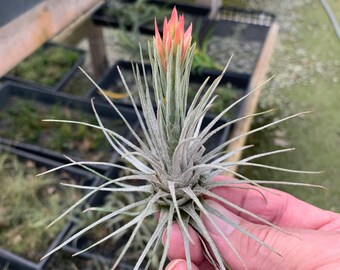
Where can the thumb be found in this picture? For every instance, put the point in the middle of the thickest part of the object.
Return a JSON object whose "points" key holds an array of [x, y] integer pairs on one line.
{"points": [[255, 255]]}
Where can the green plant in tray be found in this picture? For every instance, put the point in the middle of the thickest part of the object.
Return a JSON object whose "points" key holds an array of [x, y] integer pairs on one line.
{"points": [[20, 120], [28, 203], [47, 65], [63, 261], [202, 59], [137, 13]]}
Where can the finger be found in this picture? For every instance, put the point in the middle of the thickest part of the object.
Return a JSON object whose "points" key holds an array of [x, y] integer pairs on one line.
{"points": [[284, 250], [176, 247], [180, 264], [275, 206]]}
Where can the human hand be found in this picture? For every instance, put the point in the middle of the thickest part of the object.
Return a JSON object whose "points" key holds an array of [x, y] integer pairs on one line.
{"points": [[312, 240]]}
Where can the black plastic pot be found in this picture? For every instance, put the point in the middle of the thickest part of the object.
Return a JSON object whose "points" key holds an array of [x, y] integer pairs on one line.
{"points": [[13, 261], [94, 257], [63, 79], [78, 85], [78, 106], [100, 16]]}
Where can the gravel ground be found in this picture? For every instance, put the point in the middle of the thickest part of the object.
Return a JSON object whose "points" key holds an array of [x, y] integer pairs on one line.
{"points": [[306, 65], [244, 53], [292, 67]]}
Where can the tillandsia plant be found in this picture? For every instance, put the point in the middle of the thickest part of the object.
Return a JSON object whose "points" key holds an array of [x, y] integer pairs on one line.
{"points": [[171, 166]]}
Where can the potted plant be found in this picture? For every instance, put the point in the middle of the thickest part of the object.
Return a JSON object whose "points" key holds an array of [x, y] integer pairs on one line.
{"points": [[50, 67]]}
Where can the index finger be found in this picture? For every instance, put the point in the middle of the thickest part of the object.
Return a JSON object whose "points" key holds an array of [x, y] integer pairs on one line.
{"points": [[277, 207]]}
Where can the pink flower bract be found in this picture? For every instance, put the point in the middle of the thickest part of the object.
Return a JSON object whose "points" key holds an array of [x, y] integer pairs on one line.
{"points": [[173, 37]]}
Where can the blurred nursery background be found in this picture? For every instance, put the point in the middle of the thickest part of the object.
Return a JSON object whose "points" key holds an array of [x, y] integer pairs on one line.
{"points": [[44, 42]]}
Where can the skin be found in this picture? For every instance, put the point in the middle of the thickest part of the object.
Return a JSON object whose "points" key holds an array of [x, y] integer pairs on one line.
{"points": [[311, 239]]}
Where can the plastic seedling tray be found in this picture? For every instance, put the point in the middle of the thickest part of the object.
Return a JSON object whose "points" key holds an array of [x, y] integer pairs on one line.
{"points": [[112, 84], [42, 160], [101, 16], [250, 16], [107, 251], [35, 61], [23, 108], [64, 259], [224, 39], [13, 260], [103, 253]]}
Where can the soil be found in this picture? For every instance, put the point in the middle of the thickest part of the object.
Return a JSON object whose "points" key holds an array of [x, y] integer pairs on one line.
{"points": [[245, 53]]}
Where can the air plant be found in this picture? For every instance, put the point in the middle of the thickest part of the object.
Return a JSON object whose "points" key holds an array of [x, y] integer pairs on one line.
{"points": [[171, 166]]}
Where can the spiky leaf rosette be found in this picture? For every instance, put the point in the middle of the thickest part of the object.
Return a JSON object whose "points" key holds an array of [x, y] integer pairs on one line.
{"points": [[172, 165]]}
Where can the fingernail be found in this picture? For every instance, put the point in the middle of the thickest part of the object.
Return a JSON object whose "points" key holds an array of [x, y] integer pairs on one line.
{"points": [[225, 227], [173, 264]]}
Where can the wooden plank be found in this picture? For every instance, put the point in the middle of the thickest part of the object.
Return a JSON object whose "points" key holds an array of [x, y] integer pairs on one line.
{"points": [[251, 102], [23, 35], [78, 29]]}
